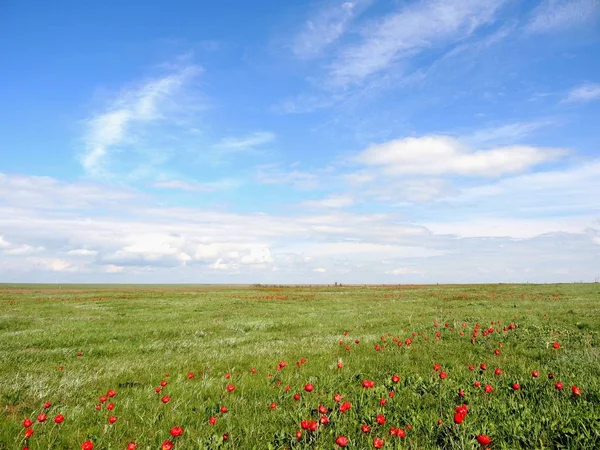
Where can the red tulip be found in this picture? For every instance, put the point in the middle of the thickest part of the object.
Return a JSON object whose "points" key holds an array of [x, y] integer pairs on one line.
{"points": [[345, 406], [230, 388], [535, 374], [443, 375], [167, 445], [365, 429], [380, 419], [41, 418], [225, 436], [324, 420], [395, 379], [516, 386], [27, 423], [296, 397], [212, 420], [483, 440], [224, 409], [87, 445], [308, 387], [176, 431], [498, 371], [488, 388], [342, 441], [273, 405], [28, 432], [47, 405], [131, 446], [378, 442], [190, 375], [337, 398], [165, 399], [298, 434], [576, 391], [367, 384], [556, 345], [322, 409], [163, 383], [59, 418], [111, 393], [458, 418], [112, 419], [110, 406], [559, 386]]}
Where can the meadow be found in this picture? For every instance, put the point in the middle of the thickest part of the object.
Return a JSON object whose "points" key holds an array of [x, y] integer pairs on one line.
{"points": [[246, 367]]}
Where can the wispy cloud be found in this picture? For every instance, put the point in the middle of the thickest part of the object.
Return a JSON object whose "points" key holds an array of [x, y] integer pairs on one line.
{"points": [[436, 155], [326, 27], [114, 128], [182, 185], [404, 34], [251, 141], [554, 15], [586, 92], [332, 201], [509, 133]]}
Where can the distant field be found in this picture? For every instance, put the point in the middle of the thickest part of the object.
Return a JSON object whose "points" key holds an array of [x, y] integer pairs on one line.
{"points": [[131, 337]]}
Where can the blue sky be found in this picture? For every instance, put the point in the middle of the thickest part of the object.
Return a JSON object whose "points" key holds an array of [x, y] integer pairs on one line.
{"points": [[357, 141]]}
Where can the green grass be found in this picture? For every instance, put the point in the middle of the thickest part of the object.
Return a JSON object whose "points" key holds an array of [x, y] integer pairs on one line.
{"points": [[131, 336]]}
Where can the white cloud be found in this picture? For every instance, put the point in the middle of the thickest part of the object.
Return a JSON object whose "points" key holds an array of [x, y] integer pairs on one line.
{"points": [[82, 252], [584, 93], [508, 133], [274, 174], [435, 155], [137, 241], [326, 27], [404, 271], [182, 185], [554, 15], [23, 250], [234, 144], [110, 130], [319, 270], [419, 26], [333, 201]]}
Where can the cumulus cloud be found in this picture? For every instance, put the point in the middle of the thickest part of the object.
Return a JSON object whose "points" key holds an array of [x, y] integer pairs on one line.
{"points": [[435, 155]]}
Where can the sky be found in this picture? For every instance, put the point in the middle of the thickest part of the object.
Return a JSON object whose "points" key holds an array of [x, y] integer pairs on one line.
{"points": [[352, 141]]}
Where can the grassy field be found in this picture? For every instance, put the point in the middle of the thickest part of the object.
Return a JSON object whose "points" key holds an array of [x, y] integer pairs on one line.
{"points": [[130, 337]]}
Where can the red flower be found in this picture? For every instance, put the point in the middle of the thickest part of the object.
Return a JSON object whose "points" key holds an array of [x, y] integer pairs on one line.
{"points": [[176, 431], [87, 445], [47, 405], [224, 409], [322, 409], [380, 419], [167, 445], [112, 419], [225, 436], [477, 384], [273, 405], [27, 423], [190, 375], [212, 420], [59, 418], [345, 406], [163, 383], [382, 401], [298, 434], [483, 440], [340, 365], [488, 388], [437, 367], [165, 399], [378, 442], [367, 384], [498, 371], [342, 441], [482, 366], [535, 373], [471, 367], [131, 446], [458, 418], [337, 398], [253, 371], [324, 420], [365, 429], [296, 397], [28, 432], [556, 345], [308, 387], [576, 391], [443, 375], [103, 399], [230, 388], [516, 386], [41, 418], [111, 393], [110, 406], [559, 386], [395, 378]]}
